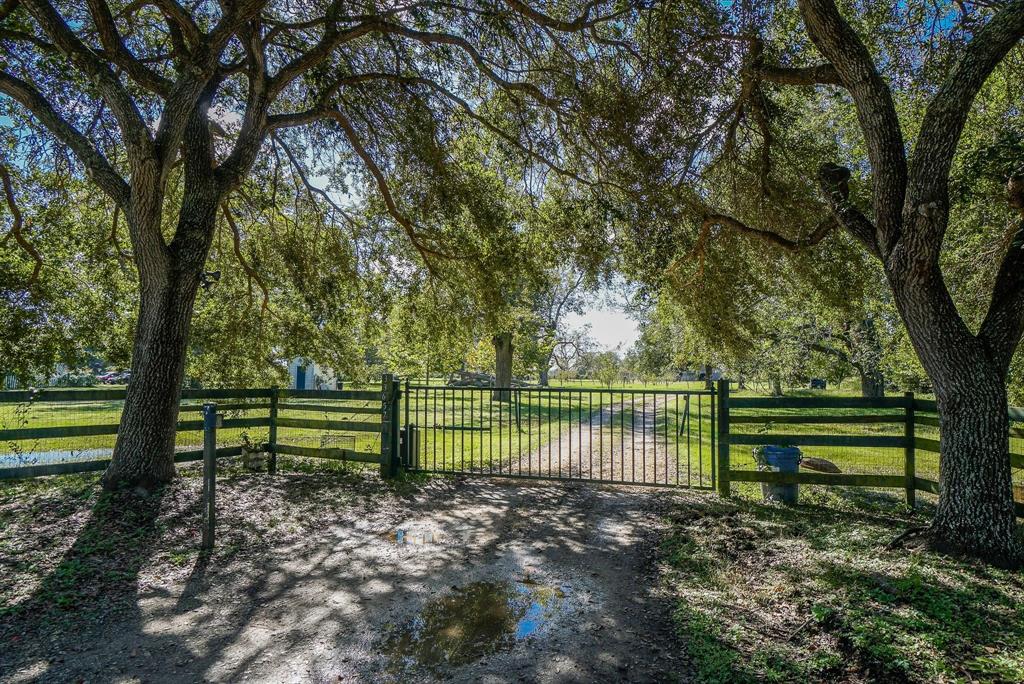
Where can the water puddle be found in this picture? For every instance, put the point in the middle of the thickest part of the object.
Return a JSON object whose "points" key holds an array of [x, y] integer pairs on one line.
{"points": [[470, 622], [415, 537]]}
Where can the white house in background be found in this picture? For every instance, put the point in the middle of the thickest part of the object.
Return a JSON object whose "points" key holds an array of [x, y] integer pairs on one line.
{"points": [[308, 375]]}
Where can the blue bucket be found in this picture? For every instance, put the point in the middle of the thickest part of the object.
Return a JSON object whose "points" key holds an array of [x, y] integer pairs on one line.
{"points": [[780, 459]]}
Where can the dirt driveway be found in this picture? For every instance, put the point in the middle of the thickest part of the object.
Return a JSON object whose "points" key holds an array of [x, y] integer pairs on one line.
{"points": [[360, 594]]}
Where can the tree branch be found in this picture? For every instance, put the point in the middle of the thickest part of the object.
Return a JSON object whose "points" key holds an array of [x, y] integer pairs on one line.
{"points": [[876, 112], [834, 182], [236, 240], [1004, 322], [946, 115], [16, 226], [133, 126], [96, 165], [119, 54], [819, 74], [428, 253]]}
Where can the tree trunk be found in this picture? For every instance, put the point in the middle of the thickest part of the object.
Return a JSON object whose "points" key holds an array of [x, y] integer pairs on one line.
{"points": [[545, 379], [502, 367], [872, 382], [144, 453], [169, 277], [776, 386], [709, 382], [975, 513]]}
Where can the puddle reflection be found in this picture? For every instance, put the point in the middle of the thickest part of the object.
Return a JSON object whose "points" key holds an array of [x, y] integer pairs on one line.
{"points": [[471, 622]]}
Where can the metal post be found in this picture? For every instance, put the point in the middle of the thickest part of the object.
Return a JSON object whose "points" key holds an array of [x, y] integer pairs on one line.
{"points": [[272, 439], [723, 437], [209, 474], [389, 394], [909, 452], [396, 445]]}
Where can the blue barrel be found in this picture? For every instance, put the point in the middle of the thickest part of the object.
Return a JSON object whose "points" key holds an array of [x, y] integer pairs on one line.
{"points": [[780, 459]]}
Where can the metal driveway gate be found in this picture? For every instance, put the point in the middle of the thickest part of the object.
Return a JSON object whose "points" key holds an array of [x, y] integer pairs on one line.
{"points": [[622, 436]]}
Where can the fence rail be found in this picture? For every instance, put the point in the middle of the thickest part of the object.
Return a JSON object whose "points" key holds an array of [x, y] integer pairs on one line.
{"points": [[625, 436], [911, 434], [328, 424]]}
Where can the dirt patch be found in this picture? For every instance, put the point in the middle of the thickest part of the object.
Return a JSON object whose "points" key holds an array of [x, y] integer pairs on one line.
{"points": [[315, 575]]}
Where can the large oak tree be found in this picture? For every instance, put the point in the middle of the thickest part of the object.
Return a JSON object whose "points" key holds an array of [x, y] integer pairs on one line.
{"points": [[772, 71], [148, 94]]}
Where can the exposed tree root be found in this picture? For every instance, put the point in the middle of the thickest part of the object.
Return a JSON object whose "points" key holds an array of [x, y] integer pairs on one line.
{"points": [[927, 537]]}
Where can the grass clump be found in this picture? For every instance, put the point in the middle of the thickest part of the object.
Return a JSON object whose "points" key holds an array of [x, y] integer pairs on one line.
{"points": [[811, 593]]}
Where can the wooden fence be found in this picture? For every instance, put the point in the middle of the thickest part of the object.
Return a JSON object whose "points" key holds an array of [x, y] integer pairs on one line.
{"points": [[904, 416], [283, 411]]}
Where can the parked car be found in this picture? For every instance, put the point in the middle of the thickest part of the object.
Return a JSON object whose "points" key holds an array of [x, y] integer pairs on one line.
{"points": [[120, 377]]}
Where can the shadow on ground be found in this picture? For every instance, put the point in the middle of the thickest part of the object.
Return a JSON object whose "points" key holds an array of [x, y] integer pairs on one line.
{"points": [[308, 583]]}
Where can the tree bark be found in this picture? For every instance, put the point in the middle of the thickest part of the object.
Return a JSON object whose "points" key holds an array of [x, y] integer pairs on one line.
{"points": [[169, 279], [776, 385], [975, 513], [872, 382], [545, 377], [502, 367], [709, 383], [144, 453]]}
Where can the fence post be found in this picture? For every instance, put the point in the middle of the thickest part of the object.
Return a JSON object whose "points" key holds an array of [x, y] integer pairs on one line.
{"points": [[723, 437], [389, 393], [272, 439], [209, 474], [909, 451], [406, 444]]}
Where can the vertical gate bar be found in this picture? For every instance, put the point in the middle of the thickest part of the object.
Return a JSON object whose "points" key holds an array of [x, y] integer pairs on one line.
{"points": [[472, 432], [551, 403], [714, 437], [462, 430], [407, 455], [529, 428], [632, 436], [501, 460], [540, 429], [700, 439], [569, 455], [275, 394], [665, 436], [559, 436], [622, 436], [688, 425], [678, 433], [723, 437], [600, 438], [643, 441], [909, 453], [444, 431], [519, 431], [590, 436], [433, 428], [511, 422], [579, 461]]}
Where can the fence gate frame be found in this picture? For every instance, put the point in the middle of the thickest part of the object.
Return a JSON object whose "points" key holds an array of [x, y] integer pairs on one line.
{"points": [[670, 444]]}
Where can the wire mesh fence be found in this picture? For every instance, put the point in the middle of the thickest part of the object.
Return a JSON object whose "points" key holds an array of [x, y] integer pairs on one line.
{"points": [[46, 428]]}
